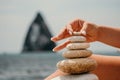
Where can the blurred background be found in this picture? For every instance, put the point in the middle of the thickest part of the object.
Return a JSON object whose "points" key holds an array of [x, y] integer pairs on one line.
{"points": [[27, 25]]}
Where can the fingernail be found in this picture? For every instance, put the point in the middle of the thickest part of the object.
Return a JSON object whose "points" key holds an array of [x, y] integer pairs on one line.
{"points": [[70, 32], [53, 39], [54, 50], [83, 32]]}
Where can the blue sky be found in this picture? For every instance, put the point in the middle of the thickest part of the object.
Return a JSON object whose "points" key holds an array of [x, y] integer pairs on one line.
{"points": [[17, 15]]}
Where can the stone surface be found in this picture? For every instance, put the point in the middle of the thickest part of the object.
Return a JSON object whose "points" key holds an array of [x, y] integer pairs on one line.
{"points": [[75, 46], [77, 53], [75, 66], [87, 76], [77, 39]]}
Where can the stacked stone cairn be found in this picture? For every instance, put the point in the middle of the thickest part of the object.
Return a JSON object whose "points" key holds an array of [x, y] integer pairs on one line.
{"points": [[77, 63]]}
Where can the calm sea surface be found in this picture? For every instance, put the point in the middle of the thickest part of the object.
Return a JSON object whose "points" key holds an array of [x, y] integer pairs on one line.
{"points": [[30, 66]]}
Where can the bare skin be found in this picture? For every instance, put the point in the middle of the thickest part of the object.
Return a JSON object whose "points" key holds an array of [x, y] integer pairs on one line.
{"points": [[108, 66]]}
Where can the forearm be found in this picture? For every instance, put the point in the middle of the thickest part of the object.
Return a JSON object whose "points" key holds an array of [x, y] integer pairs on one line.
{"points": [[108, 67], [109, 35]]}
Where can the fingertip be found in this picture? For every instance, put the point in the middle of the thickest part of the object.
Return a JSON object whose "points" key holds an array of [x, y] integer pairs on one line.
{"points": [[53, 39], [54, 50]]}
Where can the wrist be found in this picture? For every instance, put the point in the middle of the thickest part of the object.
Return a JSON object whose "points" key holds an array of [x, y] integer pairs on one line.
{"points": [[99, 33]]}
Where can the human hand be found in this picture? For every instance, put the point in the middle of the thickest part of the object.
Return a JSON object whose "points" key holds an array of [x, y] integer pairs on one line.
{"points": [[89, 30]]}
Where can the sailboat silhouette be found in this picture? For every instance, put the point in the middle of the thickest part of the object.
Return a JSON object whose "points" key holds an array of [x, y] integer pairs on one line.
{"points": [[38, 37]]}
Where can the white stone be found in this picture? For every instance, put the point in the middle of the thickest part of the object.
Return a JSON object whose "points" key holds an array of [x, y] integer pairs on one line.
{"points": [[87, 76]]}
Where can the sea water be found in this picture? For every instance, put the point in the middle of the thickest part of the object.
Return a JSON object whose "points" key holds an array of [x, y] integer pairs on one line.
{"points": [[30, 66]]}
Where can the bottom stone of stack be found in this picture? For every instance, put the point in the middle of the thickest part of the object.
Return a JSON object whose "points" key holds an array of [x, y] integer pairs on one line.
{"points": [[86, 76]]}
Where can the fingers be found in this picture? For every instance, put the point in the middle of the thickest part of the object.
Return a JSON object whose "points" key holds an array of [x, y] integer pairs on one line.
{"points": [[66, 32], [75, 25], [82, 32], [57, 48], [63, 34]]}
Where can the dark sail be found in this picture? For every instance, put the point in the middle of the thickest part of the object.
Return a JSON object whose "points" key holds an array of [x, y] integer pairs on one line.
{"points": [[38, 36]]}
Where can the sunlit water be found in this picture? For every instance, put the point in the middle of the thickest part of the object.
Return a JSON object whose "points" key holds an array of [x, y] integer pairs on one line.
{"points": [[30, 66]]}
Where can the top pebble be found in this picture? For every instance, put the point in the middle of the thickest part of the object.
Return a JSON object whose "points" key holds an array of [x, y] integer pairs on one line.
{"points": [[77, 39]]}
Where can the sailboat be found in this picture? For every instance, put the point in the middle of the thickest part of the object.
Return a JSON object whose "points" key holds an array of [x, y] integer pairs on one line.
{"points": [[38, 37]]}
